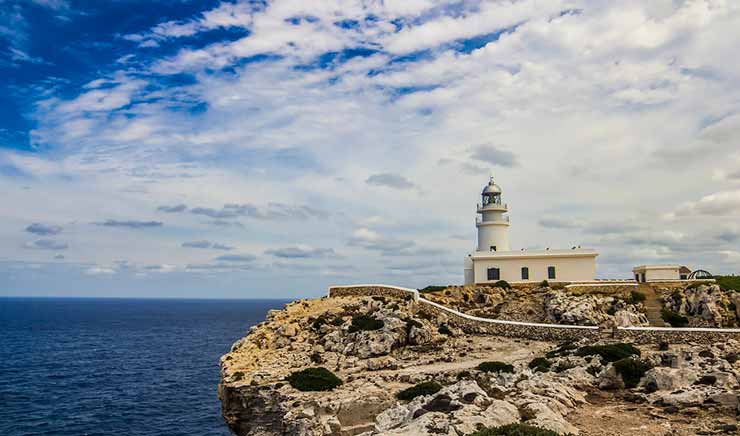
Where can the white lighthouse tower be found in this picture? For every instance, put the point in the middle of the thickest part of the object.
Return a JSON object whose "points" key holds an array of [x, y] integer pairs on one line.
{"points": [[493, 224]]}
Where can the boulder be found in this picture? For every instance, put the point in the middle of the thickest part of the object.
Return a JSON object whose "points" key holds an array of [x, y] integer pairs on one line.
{"points": [[669, 379]]}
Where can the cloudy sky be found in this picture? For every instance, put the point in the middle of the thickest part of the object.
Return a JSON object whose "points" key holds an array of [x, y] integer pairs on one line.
{"points": [[269, 149]]}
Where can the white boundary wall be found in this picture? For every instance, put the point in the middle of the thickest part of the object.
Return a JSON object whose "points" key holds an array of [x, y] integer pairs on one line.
{"points": [[637, 334]]}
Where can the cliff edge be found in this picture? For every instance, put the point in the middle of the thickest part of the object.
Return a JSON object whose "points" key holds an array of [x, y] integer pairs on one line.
{"points": [[392, 368]]}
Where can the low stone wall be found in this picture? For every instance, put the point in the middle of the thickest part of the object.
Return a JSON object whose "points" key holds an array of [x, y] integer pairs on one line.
{"points": [[655, 335], [537, 331], [511, 329], [602, 288], [373, 290]]}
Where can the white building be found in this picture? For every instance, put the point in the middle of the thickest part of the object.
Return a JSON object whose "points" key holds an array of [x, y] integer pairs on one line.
{"points": [[657, 273], [493, 260]]}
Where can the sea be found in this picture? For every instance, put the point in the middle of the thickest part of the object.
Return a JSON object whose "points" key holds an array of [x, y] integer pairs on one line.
{"points": [[88, 367]]}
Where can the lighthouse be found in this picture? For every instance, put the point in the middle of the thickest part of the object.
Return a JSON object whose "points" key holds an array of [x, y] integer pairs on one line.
{"points": [[493, 259], [493, 223]]}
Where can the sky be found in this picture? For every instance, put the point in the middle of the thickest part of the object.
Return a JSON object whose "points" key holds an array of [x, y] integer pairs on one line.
{"points": [[255, 149]]}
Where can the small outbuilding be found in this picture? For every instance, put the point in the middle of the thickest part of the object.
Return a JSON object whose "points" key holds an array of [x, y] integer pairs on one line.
{"points": [[657, 273]]}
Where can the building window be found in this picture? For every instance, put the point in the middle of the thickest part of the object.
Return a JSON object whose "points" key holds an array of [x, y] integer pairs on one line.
{"points": [[493, 248], [525, 273], [494, 274], [550, 272]]}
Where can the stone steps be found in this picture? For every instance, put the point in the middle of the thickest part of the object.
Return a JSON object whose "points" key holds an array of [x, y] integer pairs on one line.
{"points": [[653, 305]]}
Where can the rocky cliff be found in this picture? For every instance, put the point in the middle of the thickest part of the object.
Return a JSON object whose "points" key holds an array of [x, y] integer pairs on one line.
{"points": [[456, 384]]}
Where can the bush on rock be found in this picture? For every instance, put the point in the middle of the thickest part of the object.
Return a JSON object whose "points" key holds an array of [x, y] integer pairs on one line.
{"points": [[502, 284], [426, 388], [314, 379], [609, 352], [432, 288], [515, 430], [365, 323], [632, 370], [495, 367], [540, 364], [444, 330], [673, 318], [636, 297]]}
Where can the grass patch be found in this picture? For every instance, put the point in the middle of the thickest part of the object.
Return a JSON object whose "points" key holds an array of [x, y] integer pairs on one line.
{"points": [[609, 352], [673, 318], [632, 370], [426, 388], [540, 364], [516, 430], [496, 367], [314, 379], [728, 283], [365, 323]]}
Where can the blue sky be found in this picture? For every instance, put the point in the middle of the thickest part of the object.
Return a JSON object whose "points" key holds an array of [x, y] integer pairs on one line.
{"points": [[269, 149]]}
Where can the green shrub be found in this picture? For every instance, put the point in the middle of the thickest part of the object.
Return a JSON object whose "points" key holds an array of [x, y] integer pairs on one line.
{"points": [[462, 375], [558, 286], [673, 318], [318, 322], [365, 323], [378, 298], [426, 388], [443, 329], [314, 379], [540, 364], [502, 284], [632, 370], [515, 430], [430, 289], [611, 310], [609, 352], [495, 367], [563, 349], [636, 297], [544, 284]]}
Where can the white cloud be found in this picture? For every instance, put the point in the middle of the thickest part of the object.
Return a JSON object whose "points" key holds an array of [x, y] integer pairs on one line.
{"points": [[598, 121], [724, 203]]}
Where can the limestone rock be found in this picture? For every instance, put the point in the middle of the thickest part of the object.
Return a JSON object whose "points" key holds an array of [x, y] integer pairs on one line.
{"points": [[665, 379]]}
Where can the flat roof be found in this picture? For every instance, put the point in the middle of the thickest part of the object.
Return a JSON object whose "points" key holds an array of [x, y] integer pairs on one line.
{"points": [[524, 254], [656, 267]]}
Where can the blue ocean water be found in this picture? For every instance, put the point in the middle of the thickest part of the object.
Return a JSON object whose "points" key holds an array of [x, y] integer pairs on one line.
{"points": [[84, 367]]}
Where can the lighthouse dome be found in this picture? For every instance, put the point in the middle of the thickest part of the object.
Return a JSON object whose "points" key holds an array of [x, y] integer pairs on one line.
{"points": [[491, 188]]}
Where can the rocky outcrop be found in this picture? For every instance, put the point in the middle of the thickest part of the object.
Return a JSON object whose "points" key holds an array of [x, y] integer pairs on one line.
{"points": [[379, 346], [565, 308], [706, 304]]}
